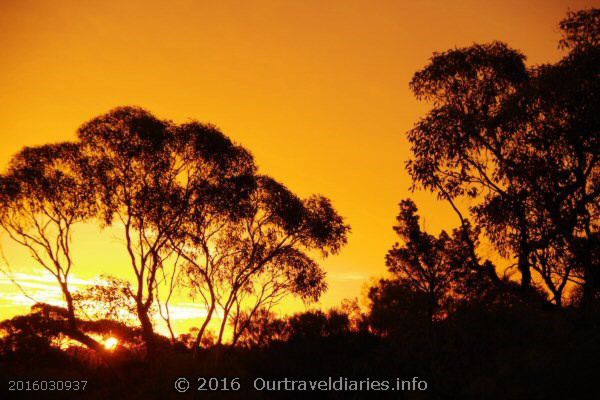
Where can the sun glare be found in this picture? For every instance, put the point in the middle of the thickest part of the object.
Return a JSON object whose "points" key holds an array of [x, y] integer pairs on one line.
{"points": [[111, 343]]}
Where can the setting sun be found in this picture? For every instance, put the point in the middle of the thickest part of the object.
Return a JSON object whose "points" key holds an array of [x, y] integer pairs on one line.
{"points": [[111, 343]]}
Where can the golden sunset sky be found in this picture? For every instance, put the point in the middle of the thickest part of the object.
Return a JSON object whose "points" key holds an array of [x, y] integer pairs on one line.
{"points": [[316, 90]]}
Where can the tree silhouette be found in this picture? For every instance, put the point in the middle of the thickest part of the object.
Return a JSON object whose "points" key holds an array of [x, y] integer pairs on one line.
{"points": [[219, 176], [581, 29], [270, 245], [186, 192], [151, 174], [558, 110], [523, 143], [422, 263], [256, 258], [46, 191], [131, 153]]}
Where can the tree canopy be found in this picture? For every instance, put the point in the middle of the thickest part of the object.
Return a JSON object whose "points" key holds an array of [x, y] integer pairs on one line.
{"points": [[187, 199], [522, 143]]}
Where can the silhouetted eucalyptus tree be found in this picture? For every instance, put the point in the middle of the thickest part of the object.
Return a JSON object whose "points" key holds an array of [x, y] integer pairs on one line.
{"points": [[136, 173], [220, 177], [251, 261], [154, 177], [458, 151], [556, 120], [523, 143], [45, 192], [270, 244]]}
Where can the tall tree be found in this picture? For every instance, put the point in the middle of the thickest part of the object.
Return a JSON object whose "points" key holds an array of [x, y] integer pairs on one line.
{"points": [[45, 192], [220, 178], [154, 175], [131, 152], [457, 149], [261, 255], [522, 142]]}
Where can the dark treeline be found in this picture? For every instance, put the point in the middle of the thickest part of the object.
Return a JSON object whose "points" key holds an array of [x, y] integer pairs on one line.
{"points": [[513, 149]]}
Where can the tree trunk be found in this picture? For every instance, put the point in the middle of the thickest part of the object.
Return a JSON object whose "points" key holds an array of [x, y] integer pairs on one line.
{"points": [[73, 332], [70, 306], [523, 251], [86, 341], [203, 328], [525, 273], [147, 330], [237, 333], [222, 330], [558, 299], [523, 262]]}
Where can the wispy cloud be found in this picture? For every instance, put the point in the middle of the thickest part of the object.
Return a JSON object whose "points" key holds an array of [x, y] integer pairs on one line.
{"points": [[348, 277], [41, 287]]}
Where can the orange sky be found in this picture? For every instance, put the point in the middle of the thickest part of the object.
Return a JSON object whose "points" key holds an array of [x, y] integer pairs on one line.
{"points": [[317, 90]]}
